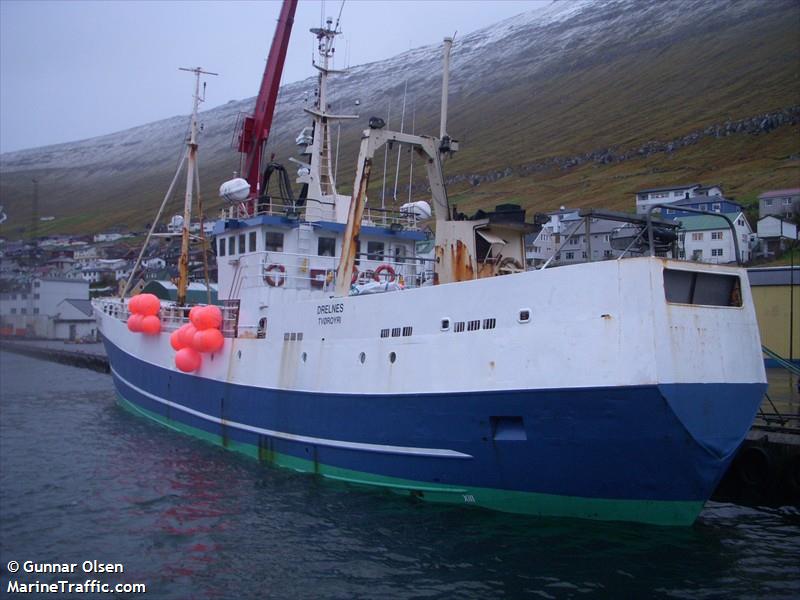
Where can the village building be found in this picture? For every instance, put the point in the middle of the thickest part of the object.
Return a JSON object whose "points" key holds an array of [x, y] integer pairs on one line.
{"points": [[781, 203], [707, 238]]}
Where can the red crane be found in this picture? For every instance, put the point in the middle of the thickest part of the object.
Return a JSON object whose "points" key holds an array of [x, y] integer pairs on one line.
{"points": [[255, 128]]}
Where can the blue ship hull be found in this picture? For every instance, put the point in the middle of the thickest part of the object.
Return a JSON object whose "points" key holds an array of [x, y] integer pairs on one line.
{"points": [[650, 453]]}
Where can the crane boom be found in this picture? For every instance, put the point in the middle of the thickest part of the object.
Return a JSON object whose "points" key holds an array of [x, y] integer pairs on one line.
{"points": [[255, 129]]}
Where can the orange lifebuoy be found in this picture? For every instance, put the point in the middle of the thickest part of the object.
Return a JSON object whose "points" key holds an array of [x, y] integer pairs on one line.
{"points": [[384, 268], [275, 281]]}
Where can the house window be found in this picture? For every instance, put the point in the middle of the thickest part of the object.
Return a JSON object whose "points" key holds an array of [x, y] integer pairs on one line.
{"points": [[697, 236], [242, 248], [716, 207], [326, 246], [716, 235], [607, 253], [23, 311], [13, 311], [375, 250], [574, 241], [231, 245], [716, 252], [570, 255], [768, 202], [36, 296], [583, 254], [36, 311], [273, 241], [252, 239]]}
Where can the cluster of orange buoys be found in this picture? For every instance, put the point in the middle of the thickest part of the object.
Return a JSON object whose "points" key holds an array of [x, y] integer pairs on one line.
{"points": [[201, 335], [144, 314]]}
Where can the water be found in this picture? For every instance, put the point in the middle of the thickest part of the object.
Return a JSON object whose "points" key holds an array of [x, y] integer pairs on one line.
{"points": [[82, 479]]}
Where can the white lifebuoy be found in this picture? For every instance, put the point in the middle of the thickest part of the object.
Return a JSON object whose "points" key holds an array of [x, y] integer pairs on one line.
{"points": [[275, 281]]}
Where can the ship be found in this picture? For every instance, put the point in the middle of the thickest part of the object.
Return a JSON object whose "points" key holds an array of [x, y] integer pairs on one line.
{"points": [[613, 390]]}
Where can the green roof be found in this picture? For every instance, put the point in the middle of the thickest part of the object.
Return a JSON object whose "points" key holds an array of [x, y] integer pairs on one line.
{"points": [[195, 294], [706, 222]]}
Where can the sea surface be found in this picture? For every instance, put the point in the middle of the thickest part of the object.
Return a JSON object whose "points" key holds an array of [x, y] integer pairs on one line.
{"points": [[82, 479]]}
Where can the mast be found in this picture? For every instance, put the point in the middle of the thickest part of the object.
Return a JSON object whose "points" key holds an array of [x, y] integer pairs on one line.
{"points": [[183, 262]]}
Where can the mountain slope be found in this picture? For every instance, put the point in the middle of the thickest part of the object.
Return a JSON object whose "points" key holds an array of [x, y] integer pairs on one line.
{"points": [[580, 79]]}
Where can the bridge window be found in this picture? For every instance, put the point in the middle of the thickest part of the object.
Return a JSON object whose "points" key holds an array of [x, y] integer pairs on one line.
{"points": [[273, 241], [375, 250], [242, 248], [232, 245], [222, 246], [326, 246], [252, 238]]}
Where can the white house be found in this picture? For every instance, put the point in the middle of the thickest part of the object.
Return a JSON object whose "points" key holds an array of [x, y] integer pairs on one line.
{"points": [[775, 234], [75, 321], [35, 308], [707, 238], [668, 195]]}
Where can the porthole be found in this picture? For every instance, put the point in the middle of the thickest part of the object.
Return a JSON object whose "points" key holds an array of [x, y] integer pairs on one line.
{"points": [[304, 356], [392, 357], [524, 315], [362, 357], [445, 325]]}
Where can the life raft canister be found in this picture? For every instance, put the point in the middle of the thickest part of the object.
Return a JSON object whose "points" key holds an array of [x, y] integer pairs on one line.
{"points": [[384, 268], [277, 281]]}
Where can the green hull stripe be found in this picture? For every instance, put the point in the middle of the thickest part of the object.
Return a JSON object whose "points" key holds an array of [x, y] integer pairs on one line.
{"points": [[657, 512]]}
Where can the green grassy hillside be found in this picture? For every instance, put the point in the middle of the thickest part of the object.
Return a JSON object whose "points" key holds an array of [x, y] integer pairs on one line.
{"points": [[654, 81]]}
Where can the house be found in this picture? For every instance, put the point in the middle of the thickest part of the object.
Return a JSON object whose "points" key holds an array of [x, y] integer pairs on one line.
{"points": [[707, 238], [567, 227], [782, 203], [716, 204], [75, 321], [668, 195], [32, 310], [775, 234]]}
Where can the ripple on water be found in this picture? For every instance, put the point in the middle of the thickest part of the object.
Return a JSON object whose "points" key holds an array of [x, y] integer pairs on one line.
{"points": [[81, 478]]}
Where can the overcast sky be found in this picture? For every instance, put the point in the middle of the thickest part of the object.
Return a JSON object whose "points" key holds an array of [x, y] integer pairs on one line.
{"points": [[71, 70]]}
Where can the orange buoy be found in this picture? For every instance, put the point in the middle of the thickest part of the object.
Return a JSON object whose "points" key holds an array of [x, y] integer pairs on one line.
{"points": [[208, 340], [148, 304], [151, 325], [135, 322], [186, 333], [133, 305], [175, 340], [187, 360], [208, 317]]}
